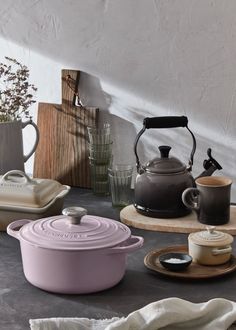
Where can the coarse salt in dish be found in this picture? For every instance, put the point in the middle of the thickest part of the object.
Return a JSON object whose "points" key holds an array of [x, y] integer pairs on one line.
{"points": [[175, 260]]}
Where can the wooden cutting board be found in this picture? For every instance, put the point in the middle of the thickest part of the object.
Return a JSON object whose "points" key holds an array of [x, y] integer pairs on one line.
{"points": [[62, 152]]}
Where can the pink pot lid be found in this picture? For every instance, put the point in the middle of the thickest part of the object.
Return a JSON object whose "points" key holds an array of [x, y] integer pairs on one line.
{"points": [[63, 233]]}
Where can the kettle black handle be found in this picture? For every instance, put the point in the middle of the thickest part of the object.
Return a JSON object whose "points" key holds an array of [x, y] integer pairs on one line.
{"points": [[164, 122]]}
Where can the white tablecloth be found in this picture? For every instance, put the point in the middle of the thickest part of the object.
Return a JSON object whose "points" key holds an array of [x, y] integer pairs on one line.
{"points": [[166, 314]]}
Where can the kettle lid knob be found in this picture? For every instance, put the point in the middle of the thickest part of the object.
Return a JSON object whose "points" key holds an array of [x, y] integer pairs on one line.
{"points": [[164, 150]]}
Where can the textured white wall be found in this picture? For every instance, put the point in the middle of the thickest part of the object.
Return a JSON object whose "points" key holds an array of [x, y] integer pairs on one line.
{"points": [[142, 58]]}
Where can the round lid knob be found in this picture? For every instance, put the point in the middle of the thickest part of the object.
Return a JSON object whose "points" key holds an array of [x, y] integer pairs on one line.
{"points": [[164, 150], [165, 164], [74, 214]]}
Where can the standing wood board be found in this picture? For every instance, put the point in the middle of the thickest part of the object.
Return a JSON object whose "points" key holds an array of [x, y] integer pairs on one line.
{"points": [[62, 152]]}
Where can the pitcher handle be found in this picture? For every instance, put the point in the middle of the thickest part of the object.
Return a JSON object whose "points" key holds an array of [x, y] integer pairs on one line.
{"points": [[26, 123], [164, 122]]}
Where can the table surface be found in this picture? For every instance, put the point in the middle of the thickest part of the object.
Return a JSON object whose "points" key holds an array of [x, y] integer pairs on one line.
{"points": [[20, 301]]}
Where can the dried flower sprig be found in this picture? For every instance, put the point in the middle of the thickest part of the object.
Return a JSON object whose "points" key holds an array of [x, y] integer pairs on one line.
{"points": [[16, 93]]}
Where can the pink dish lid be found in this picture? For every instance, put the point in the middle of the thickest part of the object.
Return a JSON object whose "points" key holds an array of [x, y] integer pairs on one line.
{"points": [[74, 230]]}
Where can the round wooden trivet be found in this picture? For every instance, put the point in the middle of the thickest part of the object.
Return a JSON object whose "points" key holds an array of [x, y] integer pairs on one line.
{"points": [[187, 224]]}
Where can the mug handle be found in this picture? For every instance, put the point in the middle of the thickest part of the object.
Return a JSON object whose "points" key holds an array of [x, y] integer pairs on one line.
{"points": [[26, 123], [189, 198]]}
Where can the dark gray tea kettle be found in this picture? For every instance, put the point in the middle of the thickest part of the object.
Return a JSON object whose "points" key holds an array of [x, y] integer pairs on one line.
{"points": [[160, 183]]}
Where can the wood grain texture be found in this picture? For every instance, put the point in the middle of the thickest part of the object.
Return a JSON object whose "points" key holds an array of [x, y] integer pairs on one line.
{"points": [[194, 271], [187, 224], [62, 152]]}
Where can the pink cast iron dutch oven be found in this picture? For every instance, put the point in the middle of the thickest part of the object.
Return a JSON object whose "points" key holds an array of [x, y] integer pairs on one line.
{"points": [[74, 253]]}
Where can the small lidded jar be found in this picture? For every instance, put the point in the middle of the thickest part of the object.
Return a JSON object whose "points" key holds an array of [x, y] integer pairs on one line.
{"points": [[210, 247]]}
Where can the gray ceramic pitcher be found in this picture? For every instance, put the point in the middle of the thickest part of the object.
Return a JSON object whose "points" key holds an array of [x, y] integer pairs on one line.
{"points": [[11, 145]]}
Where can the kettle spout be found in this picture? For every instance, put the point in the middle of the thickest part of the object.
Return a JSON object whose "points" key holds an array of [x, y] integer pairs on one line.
{"points": [[210, 165]]}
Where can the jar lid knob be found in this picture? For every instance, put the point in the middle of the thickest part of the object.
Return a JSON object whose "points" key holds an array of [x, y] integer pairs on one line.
{"points": [[211, 229], [75, 214]]}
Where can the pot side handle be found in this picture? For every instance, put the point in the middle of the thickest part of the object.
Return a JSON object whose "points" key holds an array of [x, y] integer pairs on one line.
{"points": [[132, 244], [218, 251], [14, 227]]}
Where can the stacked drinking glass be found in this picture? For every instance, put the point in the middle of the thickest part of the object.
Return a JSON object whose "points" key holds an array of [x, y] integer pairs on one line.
{"points": [[100, 157]]}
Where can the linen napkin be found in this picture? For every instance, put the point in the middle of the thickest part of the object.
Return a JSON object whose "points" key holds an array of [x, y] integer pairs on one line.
{"points": [[166, 314]]}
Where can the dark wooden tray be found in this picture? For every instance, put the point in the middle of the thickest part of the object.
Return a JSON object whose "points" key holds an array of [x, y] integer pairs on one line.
{"points": [[194, 271]]}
